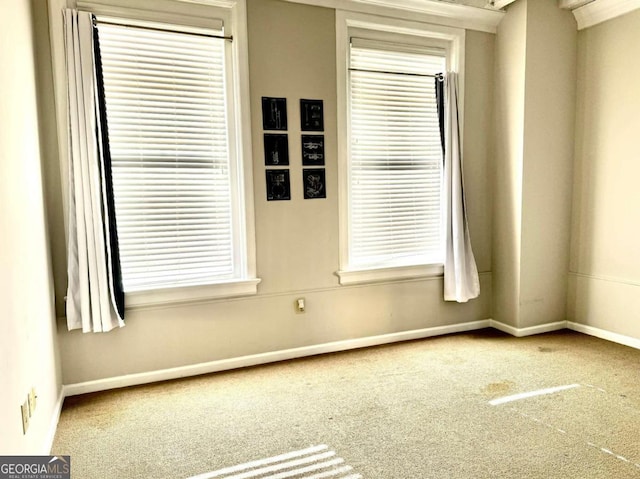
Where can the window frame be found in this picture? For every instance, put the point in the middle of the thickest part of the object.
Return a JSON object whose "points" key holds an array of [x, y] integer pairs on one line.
{"points": [[350, 24], [195, 16]]}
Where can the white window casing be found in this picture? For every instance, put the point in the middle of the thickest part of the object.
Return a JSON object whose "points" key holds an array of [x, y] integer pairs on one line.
{"points": [[389, 150]]}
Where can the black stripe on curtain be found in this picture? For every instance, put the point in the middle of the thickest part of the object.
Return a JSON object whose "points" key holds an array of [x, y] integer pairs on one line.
{"points": [[439, 85], [102, 133]]}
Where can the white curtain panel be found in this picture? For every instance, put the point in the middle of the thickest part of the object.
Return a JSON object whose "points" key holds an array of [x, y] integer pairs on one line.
{"points": [[461, 281], [89, 299]]}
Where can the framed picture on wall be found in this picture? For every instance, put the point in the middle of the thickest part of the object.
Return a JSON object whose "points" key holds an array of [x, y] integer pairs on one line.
{"points": [[276, 149], [274, 113], [311, 115], [278, 185], [313, 150], [313, 183]]}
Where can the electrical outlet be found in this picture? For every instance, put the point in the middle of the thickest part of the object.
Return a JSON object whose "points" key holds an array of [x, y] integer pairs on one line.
{"points": [[24, 409], [300, 305], [32, 401]]}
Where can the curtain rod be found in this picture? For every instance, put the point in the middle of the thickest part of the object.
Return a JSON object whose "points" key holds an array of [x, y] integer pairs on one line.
{"points": [[437, 75], [157, 29]]}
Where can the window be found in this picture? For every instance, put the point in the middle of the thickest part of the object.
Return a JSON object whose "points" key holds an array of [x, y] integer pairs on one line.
{"points": [[391, 161], [178, 160], [396, 155]]}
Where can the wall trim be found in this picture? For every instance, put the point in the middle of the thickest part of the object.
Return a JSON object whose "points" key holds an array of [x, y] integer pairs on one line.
{"points": [[529, 331], [609, 279], [265, 358], [503, 3], [604, 334], [279, 294], [305, 351], [602, 10], [53, 425], [429, 11], [571, 4]]}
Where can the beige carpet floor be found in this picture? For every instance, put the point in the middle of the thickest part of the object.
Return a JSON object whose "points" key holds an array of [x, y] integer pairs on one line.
{"points": [[419, 409]]}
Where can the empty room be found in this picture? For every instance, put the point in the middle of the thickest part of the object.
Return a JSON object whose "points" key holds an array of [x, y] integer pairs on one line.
{"points": [[319, 239]]}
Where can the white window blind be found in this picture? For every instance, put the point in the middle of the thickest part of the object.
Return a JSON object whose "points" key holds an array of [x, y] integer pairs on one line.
{"points": [[395, 164], [169, 142]]}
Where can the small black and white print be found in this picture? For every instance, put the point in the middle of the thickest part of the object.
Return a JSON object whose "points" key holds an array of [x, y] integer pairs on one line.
{"points": [[274, 113], [311, 115], [313, 183], [278, 185], [276, 149], [313, 150]]}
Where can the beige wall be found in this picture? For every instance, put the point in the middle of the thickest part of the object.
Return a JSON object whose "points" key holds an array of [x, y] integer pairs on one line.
{"points": [[56, 171], [550, 84], [292, 54], [478, 152], [605, 257], [28, 353], [507, 186], [533, 178]]}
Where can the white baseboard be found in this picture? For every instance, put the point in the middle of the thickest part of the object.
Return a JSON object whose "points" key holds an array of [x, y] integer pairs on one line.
{"points": [[264, 358], [53, 426], [530, 331], [336, 346], [604, 334]]}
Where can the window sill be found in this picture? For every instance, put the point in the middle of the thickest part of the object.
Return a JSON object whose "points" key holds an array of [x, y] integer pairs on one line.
{"points": [[389, 274], [187, 294]]}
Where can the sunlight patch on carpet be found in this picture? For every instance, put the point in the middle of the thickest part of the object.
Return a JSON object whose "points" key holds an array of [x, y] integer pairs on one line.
{"points": [[315, 462], [603, 420], [530, 394]]}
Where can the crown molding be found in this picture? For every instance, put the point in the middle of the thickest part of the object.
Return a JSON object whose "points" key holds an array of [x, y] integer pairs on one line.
{"points": [[600, 11], [571, 4], [502, 3], [427, 11]]}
